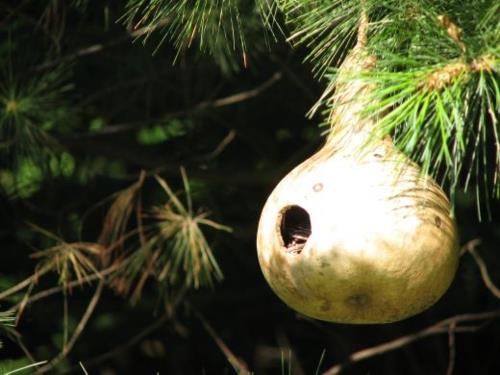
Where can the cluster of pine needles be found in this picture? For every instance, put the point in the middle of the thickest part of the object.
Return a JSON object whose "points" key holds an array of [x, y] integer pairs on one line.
{"points": [[165, 243]]}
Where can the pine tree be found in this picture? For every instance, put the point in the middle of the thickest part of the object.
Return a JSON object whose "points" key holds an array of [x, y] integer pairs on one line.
{"points": [[129, 131]]}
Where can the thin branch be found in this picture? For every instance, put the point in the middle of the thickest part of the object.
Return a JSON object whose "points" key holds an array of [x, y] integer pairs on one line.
{"points": [[16, 12], [451, 348], [78, 331], [242, 96], [57, 289], [98, 47], [220, 147], [169, 314], [471, 248], [239, 365], [145, 332], [469, 245], [440, 327], [16, 337], [22, 304], [25, 283], [204, 105]]}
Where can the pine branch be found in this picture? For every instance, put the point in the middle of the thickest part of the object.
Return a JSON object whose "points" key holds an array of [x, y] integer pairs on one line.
{"points": [[61, 288], [218, 27], [30, 110], [328, 28], [174, 250], [442, 116]]}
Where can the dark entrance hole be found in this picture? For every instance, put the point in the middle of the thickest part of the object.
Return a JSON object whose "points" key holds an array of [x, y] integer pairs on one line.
{"points": [[295, 228]]}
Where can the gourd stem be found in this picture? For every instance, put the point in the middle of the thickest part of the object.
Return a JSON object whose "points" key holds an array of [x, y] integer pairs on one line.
{"points": [[363, 28], [352, 94]]}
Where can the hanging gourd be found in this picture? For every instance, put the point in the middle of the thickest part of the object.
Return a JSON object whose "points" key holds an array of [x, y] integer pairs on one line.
{"points": [[357, 233]]}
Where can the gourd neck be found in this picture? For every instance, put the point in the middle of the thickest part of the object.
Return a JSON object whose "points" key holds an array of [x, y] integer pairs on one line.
{"points": [[350, 127]]}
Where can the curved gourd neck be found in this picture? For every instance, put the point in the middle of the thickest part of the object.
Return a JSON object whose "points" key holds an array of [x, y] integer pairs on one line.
{"points": [[350, 127]]}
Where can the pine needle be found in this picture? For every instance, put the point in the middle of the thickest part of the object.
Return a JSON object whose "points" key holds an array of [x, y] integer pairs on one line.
{"points": [[7, 319], [113, 233], [30, 366], [30, 110], [71, 261], [217, 27], [175, 251]]}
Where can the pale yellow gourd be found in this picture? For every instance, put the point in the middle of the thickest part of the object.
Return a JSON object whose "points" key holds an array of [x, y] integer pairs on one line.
{"points": [[356, 233]]}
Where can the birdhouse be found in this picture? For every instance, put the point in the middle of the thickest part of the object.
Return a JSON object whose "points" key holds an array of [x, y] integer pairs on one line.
{"points": [[357, 233]]}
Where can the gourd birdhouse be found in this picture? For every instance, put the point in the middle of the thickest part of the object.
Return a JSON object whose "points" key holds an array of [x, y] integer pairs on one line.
{"points": [[357, 233]]}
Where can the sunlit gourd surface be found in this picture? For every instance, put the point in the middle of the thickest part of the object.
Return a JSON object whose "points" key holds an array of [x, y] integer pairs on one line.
{"points": [[357, 233]]}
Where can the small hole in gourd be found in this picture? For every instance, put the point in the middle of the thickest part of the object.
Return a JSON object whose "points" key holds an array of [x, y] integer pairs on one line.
{"points": [[295, 228]]}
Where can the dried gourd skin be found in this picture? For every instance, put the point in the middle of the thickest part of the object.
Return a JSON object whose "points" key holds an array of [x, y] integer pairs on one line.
{"points": [[375, 241], [382, 243]]}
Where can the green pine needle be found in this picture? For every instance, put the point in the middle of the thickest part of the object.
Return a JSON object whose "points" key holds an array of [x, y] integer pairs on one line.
{"points": [[445, 117], [7, 319], [30, 109], [435, 82], [175, 250], [218, 27], [328, 28]]}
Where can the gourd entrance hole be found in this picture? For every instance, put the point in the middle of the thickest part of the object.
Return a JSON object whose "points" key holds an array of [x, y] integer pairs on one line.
{"points": [[295, 228]]}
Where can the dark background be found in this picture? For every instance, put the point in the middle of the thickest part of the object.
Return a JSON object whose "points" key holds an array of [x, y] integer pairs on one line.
{"points": [[127, 87]]}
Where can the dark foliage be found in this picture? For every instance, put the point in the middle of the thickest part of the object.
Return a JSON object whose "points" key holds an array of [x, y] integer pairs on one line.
{"points": [[88, 110]]}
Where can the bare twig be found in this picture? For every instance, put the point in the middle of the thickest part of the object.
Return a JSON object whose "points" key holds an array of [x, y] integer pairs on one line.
{"points": [[451, 348], [98, 47], [469, 245], [25, 283], [471, 248], [16, 12], [239, 365], [168, 315], [22, 304], [221, 146], [16, 337], [242, 96], [57, 289], [133, 341], [78, 330], [201, 106], [440, 327]]}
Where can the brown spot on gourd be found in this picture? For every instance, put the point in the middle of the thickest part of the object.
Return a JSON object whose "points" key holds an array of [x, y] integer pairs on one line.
{"points": [[358, 300], [325, 306], [318, 187], [437, 221]]}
